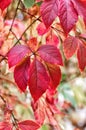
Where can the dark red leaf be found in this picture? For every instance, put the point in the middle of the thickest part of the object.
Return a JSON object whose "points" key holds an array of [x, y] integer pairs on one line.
{"points": [[16, 54], [67, 14], [70, 46], [4, 4], [28, 125], [5, 126], [51, 54], [21, 74], [38, 81], [81, 55], [54, 74], [49, 11]]}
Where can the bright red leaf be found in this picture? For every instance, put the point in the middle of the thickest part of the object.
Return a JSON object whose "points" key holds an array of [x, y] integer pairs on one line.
{"points": [[67, 14], [38, 79], [21, 74], [49, 11], [70, 45], [41, 29], [54, 74], [81, 55], [4, 4], [5, 126], [51, 54], [16, 54], [28, 125]]}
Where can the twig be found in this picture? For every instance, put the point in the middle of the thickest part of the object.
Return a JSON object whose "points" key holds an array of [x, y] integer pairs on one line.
{"points": [[26, 30], [5, 78]]}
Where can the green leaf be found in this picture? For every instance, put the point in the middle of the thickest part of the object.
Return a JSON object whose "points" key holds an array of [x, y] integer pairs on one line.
{"points": [[39, 3], [44, 127], [28, 3]]}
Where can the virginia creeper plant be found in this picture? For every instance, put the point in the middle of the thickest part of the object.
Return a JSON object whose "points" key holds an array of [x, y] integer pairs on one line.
{"points": [[34, 42]]}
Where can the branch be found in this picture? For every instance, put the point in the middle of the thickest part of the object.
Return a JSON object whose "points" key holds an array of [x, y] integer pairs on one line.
{"points": [[26, 30], [5, 78]]}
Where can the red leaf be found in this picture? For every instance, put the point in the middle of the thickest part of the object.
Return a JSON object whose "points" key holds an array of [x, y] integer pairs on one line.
{"points": [[81, 8], [21, 74], [28, 125], [39, 115], [70, 46], [32, 43], [67, 14], [54, 74], [4, 4], [16, 54], [5, 126], [51, 54], [45, 110], [49, 11], [52, 39], [41, 29], [81, 55], [38, 81], [39, 111]]}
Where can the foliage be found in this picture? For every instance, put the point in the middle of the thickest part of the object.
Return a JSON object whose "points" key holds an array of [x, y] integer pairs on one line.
{"points": [[36, 55]]}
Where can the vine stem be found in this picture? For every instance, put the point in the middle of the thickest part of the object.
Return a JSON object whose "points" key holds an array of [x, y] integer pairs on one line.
{"points": [[10, 30], [14, 119], [15, 14], [5, 78]]}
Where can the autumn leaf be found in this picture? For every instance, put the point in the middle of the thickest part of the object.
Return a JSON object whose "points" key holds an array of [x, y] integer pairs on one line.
{"points": [[52, 39], [45, 111], [5, 126], [21, 74], [28, 125], [81, 55], [68, 15], [41, 29], [51, 54], [54, 74], [4, 4], [70, 46], [32, 43], [49, 11], [81, 8], [38, 111], [16, 54], [38, 79]]}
